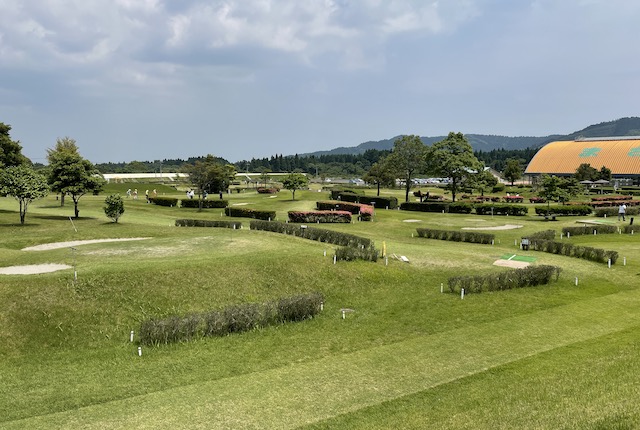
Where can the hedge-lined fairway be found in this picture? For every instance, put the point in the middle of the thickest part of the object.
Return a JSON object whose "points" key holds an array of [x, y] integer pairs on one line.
{"points": [[547, 357]]}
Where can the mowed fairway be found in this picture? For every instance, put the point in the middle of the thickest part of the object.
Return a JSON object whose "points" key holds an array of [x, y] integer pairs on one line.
{"points": [[554, 356]]}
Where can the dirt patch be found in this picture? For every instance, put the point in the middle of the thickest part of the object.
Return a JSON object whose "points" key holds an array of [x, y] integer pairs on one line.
{"points": [[499, 227], [33, 269], [58, 245], [511, 263]]}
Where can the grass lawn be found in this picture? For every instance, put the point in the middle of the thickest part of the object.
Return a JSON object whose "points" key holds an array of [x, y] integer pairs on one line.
{"points": [[554, 356]]}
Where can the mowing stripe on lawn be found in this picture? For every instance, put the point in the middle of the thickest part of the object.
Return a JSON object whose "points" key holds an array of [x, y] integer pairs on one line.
{"points": [[300, 394]]}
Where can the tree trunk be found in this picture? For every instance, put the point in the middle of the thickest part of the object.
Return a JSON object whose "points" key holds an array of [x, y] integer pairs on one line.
{"points": [[61, 199], [407, 187], [378, 189], [75, 208], [23, 212]]}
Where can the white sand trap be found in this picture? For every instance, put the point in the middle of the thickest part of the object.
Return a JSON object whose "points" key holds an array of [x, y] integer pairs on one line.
{"points": [[33, 269], [511, 263], [499, 227], [58, 245], [239, 204], [412, 220]]}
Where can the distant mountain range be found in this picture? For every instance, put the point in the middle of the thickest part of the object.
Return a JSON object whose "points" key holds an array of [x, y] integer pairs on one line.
{"points": [[481, 142]]}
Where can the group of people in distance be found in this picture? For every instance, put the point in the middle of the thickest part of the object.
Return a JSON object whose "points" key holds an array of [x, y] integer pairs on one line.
{"points": [[134, 194]]}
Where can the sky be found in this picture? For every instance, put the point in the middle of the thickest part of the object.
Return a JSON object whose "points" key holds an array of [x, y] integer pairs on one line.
{"points": [[158, 79]]}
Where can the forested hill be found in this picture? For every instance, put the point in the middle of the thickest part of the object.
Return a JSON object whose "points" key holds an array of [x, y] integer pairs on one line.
{"points": [[629, 126]]}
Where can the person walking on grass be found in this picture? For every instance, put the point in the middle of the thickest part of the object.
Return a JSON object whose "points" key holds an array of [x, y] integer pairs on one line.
{"points": [[622, 210]]}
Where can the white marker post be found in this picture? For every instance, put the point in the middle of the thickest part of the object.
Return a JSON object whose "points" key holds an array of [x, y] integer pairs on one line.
{"points": [[461, 293], [139, 351], [441, 287], [609, 263], [624, 261], [576, 281], [131, 336], [335, 259]]}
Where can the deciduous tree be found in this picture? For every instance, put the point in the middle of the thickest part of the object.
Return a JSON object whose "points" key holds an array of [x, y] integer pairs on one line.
{"points": [[24, 184], [10, 150], [513, 170], [293, 182], [380, 175], [71, 174], [453, 158], [210, 176], [408, 157]]}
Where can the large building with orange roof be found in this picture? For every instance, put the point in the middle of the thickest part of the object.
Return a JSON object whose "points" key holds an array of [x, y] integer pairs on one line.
{"points": [[619, 154]]}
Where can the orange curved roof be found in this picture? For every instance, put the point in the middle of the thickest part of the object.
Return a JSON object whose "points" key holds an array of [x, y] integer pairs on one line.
{"points": [[622, 156]]}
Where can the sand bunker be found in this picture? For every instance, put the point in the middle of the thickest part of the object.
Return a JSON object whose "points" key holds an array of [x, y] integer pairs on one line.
{"points": [[511, 263], [499, 227], [239, 204], [412, 220], [33, 269], [58, 245]]}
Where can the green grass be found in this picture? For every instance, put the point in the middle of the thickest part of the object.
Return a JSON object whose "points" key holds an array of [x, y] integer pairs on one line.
{"points": [[515, 257], [555, 356]]}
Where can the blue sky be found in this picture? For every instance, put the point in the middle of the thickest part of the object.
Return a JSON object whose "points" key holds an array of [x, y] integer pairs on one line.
{"points": [[154, 79]]}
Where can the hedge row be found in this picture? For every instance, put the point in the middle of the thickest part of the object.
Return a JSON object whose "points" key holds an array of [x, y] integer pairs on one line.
{"points": [[249, 213], [352, 197], [517, 278], [493, 209], [568, 249], [233, 319], [582, 230], [350, 253], [206, 204], [580, 210], [456, 236], [320, 216], [263, 190], [164, 201], [613, 211], [542, 235], [208, 223], [319, 234], [365, 212], [631, 228], [429, 206], [346, 194]]}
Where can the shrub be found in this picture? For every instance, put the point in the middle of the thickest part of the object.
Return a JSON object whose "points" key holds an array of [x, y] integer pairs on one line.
{"points": [[351, 253], [263, 190], [208, 223], [501, 209], [542, 235], [456, 236], [517, 278], [319, 234], [425, 206], [365, 212], [164, 201], [380, 202], [114, 207], [206, 204], [249, 213], [570, 250], [232, 319], [498, 188], [589, 229], [613, 211], [580, 210], [320, 216], [630, 228], [350, 194]]}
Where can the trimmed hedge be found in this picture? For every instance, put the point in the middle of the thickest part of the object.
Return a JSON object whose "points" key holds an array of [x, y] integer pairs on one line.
{"points": [[456, 236], [249, 213], [542, 235], [350, 253], [263, 190], [380, 202], [631, 228], [365, 212], [206, 204], [319, 234], [320, 216], [501, 209], [613, 211], [589, 229], [429, 206], [164, 201], [208, 223], [580, 210], [530, 276], [570, 250], [232, 319]]}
